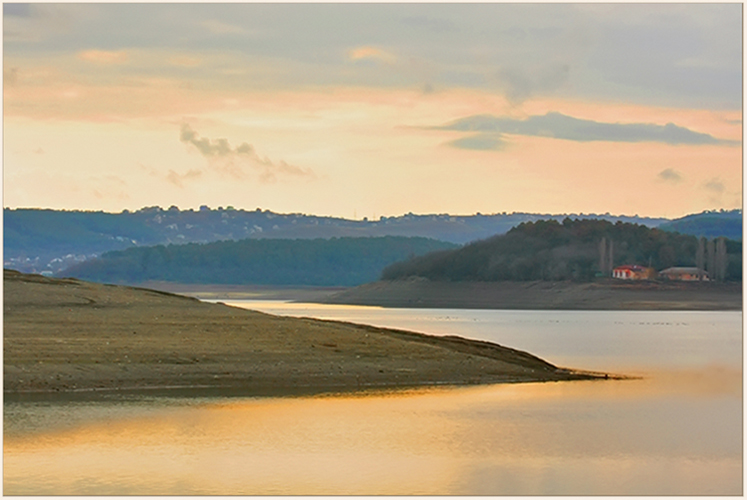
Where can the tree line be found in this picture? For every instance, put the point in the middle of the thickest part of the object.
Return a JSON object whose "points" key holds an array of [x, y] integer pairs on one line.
{"points": [[320, 262], [567, 250]]}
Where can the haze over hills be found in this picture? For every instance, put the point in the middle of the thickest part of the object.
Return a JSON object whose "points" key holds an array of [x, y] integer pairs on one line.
{"points": [[48, 241]]}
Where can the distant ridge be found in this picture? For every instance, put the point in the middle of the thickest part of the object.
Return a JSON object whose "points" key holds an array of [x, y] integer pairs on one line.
{"points": [[710, 224], [47, 241]]}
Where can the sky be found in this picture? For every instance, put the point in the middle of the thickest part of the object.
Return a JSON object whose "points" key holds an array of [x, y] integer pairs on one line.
{"points": [[369, 110]]}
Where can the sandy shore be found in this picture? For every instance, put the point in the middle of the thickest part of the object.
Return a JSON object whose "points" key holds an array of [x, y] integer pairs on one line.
{"points": [[607, 295], [72, 336]]}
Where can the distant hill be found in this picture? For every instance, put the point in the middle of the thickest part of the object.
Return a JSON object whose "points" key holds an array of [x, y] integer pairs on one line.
{"points": [[548, 250], [47, 241], [710, 224], [321, 262]]}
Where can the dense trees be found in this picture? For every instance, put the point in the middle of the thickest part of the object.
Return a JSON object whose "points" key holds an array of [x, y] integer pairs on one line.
{"points": [[709, 224], [38, 240], [46, 241], [549, 250], [335, 261]]}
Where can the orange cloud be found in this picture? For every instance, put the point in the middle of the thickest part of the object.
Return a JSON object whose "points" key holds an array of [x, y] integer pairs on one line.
{"points": [[103, 56], [366, 52]]}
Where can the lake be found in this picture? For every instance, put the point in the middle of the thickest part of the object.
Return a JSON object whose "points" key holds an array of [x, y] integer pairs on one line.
{"points": [[676, 430]]}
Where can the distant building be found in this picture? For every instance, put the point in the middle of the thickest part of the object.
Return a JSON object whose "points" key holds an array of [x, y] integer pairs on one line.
{"points": [[633, 272], [684, 274]]}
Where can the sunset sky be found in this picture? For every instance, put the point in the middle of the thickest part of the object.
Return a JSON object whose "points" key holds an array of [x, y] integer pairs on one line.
{"points": [[357, 110]]}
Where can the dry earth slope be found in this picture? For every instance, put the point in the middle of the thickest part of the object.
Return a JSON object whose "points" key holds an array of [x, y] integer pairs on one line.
{"points": [[65, 335]]}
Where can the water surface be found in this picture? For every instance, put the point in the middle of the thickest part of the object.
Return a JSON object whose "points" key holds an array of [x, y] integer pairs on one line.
{"points": [[676, 431]]}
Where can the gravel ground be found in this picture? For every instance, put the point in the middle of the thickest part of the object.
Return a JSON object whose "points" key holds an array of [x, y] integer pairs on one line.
{"points": [[65, 335]]}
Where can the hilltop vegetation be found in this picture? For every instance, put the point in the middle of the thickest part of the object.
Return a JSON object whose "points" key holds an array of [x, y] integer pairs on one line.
{"points": [[708, 224], [549, 250], [320, 262], [48, 241]]}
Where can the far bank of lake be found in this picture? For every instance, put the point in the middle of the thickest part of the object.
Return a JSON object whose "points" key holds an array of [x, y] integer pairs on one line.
{"points": [[602, 295]]}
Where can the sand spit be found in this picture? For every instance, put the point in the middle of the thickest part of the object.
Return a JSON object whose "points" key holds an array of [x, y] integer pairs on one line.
{"points": [[68, 336], [607, 295]]}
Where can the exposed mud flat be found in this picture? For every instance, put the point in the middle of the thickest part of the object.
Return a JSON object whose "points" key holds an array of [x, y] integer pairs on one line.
{"points": [[65, 335]]}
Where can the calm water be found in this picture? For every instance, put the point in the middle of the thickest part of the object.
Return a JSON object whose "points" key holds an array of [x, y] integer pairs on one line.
{"points": [[676, 431]]}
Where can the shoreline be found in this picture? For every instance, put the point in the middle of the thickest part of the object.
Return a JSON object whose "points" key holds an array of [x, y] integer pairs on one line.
{"points": [[607, 295], [602, 295], [64, 336], [224, 391]]}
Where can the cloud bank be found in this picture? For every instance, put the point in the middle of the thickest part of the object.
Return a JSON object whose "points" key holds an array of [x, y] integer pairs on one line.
{"points": [[231, 161], [559, 126], [679, 55]]}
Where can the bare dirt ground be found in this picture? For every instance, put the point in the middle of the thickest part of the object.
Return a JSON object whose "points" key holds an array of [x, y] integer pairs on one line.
{"points": [[65, 335], [545, 295]]}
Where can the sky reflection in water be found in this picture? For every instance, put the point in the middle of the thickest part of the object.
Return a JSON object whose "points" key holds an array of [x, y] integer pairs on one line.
{"points": [[678, 431]]}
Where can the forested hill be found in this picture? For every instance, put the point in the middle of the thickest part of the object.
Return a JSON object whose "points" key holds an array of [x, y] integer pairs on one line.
{"points": [[47, 241], [320, 262], [710, 224], [548, 250]]}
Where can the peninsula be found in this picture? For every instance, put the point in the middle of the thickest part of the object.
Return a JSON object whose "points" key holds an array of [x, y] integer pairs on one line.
{"points": [[71, 336]]}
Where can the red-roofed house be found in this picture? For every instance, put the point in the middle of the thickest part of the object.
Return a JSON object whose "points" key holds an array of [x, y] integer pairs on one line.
{"points": [[633, 272]]}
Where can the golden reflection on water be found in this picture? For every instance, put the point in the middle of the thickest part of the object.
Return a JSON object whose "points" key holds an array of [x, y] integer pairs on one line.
{"points": [[304, 445], [649, 436]]}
